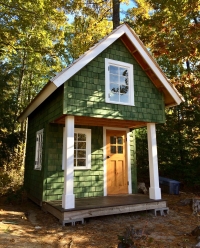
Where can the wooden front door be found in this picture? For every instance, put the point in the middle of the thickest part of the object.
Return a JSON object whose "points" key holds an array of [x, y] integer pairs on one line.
{"points": [[117, 179]]}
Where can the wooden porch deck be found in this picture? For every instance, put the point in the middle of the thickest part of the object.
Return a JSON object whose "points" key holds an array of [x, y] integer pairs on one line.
{"points": [[100, 206]]}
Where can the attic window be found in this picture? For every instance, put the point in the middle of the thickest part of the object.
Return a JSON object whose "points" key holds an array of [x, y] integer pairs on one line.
{"points": [[119, 82], [38, 150]]}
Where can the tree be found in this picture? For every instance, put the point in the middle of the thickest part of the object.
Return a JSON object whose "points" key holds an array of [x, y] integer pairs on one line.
{"points": [[171, 31]]}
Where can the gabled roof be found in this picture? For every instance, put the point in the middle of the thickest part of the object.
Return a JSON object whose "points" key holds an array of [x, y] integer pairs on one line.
{"points": [[138, 51]]}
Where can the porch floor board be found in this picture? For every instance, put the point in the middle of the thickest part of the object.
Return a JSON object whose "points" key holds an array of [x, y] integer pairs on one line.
{"points": [[100, 206]]}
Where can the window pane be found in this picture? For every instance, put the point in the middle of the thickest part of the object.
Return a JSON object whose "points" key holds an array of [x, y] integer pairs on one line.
{"points": [[81, 154], [114, 79], [112, 140], [123, 89], [74, 162], [119, 140], [114, 88], [75, 136], [113, 149], [120, 149], [123, 72], [123, 80], [81, 137], [113, 69], [124, 98], [81, 145], [124, 94], [81, 162], [75, 145], [114, 92], [75, 153]]}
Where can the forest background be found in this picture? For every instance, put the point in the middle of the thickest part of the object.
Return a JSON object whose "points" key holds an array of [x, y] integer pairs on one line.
{"points": [[40, 38]]}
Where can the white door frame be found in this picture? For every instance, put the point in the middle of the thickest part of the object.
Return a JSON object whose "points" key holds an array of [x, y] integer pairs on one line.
{"points": [[128, 157]]}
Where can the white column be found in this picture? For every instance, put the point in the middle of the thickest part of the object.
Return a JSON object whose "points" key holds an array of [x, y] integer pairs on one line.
{"points": [[154, 190], [68, 198]]}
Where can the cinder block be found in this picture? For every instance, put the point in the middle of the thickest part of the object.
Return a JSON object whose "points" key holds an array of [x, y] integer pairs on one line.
{"points": [[162, 211]]}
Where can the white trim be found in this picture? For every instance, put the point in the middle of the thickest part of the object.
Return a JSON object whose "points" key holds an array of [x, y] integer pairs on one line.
{"points": [[64, 150], [128, 157], [38, 150], [88, 148], [154, 190], [130, 80], [68, 197]]}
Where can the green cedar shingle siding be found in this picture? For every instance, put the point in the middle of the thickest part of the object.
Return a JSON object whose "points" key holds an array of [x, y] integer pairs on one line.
{"points": [[39, 119], [84, 93], [86, 182]]}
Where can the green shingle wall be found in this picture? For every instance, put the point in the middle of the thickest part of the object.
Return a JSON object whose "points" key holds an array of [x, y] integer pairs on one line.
{"points": [[39, 119], [84, 93], [86, 182], [90, 182]]}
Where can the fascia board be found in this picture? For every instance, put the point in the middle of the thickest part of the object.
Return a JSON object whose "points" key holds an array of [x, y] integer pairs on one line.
{"points": [[87, 57], [146, 56], [46, 92]]}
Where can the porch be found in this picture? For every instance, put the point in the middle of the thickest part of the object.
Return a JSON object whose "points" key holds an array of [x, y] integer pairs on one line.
{"points": [[100, 206]]}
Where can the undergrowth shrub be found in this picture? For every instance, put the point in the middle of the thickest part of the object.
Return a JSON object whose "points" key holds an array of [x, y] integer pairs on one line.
{"points": [[12, 171]]}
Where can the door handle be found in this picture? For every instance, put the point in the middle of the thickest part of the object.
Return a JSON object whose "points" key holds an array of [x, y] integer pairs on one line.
{"points": [[108, 156]]}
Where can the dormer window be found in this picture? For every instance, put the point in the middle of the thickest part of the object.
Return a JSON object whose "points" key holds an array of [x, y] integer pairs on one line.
{"points": [[119, 82]]}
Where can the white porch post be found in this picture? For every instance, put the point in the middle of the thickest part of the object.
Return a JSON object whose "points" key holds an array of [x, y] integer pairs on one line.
{"points": [[154, 190], [68, 199]]}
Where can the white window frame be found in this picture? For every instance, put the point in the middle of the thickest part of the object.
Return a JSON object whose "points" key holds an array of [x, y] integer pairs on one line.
{"points": [[38, 150], [129, 67], [87, 132]]}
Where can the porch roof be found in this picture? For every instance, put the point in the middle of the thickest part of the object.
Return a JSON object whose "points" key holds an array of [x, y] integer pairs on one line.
{"points": [[92, 121]]}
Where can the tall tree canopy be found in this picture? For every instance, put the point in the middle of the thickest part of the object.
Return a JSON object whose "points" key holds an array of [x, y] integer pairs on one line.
{"points": [[171, 31]]}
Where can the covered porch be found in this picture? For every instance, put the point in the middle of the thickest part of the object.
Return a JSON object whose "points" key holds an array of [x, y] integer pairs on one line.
{"points": [[68, 198], [100, 206]]}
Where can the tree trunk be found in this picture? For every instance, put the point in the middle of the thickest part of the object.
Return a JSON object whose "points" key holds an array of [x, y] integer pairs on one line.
{"points": [[116, 16]]}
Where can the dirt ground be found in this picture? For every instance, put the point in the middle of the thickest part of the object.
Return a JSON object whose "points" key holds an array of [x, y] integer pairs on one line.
{"points": [[26, 225]]}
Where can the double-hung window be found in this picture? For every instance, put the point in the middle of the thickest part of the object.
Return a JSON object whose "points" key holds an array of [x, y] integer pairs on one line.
{"points": [[119, 82], [38, 150]]}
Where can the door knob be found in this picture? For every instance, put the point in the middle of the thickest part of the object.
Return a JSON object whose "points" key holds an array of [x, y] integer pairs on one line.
{"points": [[108, 156]]}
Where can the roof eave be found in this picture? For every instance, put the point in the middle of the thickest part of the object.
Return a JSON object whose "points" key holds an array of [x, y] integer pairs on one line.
{"points": [[48, 89]]}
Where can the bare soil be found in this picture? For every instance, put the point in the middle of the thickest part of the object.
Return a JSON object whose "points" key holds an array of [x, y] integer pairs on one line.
{"points": [[26, 225]]}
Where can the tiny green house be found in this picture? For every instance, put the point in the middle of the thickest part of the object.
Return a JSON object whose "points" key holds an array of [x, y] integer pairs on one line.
{"points": [[80, 138]]}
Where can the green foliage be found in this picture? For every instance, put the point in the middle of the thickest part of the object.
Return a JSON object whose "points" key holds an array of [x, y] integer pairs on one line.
{"points": [[179, 139], [142, 155], [12, 170], [171, 31]]}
